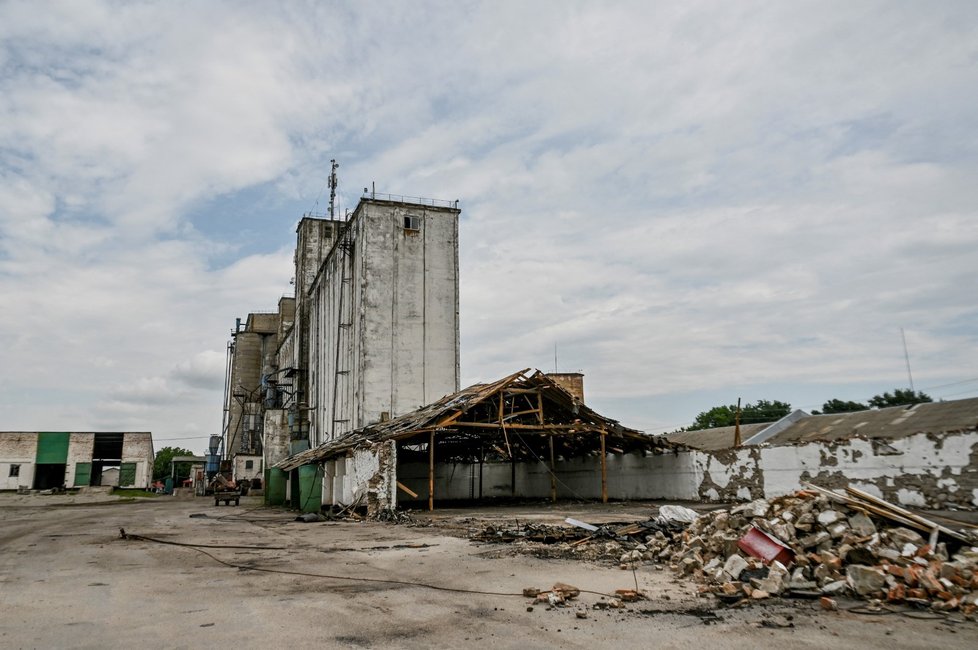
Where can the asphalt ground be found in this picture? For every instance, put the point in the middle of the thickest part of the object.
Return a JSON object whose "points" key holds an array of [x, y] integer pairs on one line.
{"points": [[67, 579]]}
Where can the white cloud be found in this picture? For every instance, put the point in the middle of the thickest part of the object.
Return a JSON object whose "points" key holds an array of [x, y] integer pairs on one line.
{"points": [[685, 199]]}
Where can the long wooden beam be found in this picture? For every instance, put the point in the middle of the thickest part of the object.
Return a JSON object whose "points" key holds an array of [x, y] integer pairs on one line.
{"points": [[511, 425]]}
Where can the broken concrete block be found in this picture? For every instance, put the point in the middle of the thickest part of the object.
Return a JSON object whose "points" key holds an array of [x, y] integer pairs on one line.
{"points": [[860, 555], [758, 508], [909, 550], [838, 529], [862, 525], [901, 536], [833, 588], [759, 594], [828, 604], [865, 580], [530, 592], [829, 517], [565, 590], [581, 612], [814, 539], [734, 565]]}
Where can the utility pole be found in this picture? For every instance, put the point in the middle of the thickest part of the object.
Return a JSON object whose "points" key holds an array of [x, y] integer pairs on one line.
{"points": [[737, 440]]}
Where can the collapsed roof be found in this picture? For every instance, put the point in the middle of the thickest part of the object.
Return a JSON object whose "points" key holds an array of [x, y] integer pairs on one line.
{"points": [[509, 418]]}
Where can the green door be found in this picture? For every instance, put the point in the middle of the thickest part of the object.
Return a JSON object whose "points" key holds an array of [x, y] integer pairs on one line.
{"points": [[127, 474], [83, 474], [52, 448]]}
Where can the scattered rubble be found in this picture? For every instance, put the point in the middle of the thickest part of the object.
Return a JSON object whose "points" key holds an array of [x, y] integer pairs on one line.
{"points": [[821, 545]]}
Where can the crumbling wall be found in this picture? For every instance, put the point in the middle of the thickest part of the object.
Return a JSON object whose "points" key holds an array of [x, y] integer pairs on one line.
{"points": [[371, 477], [729, 474], [275, 443], [925, 470]]}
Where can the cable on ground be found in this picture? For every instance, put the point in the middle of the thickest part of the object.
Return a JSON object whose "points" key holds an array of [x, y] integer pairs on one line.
{"points": [[408, 583]]}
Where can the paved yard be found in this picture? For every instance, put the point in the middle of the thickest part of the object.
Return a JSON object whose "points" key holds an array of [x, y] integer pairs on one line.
{"points": [[68, 580]]}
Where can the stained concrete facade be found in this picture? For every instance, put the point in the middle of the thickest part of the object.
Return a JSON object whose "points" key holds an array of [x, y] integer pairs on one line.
{"points": [[383, 317], [253, 379]]}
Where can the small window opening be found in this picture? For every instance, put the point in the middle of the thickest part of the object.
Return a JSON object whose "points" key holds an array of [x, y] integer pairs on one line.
{"points": [[249, 464], [412, 223], [14, 470]]}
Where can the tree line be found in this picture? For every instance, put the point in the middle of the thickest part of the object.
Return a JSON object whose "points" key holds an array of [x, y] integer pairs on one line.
{"points": [[770, 410]]}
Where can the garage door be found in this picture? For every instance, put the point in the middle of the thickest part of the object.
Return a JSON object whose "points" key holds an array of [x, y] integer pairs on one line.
{"points": [[127, 474], [83, 474], [52, 447]]}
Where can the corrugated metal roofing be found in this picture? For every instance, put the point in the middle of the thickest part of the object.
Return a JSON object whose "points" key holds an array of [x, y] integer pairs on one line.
{"points": [[891, 423], [715, 439]]}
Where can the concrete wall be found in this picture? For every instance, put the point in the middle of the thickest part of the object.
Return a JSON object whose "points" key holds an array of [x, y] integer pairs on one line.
{"points": [[386, 340], [630, 476], [920, 470], [138, 448], [80, 448], [21, 448], [241, 470], [923, 470], [276, 442], [17, 448]]}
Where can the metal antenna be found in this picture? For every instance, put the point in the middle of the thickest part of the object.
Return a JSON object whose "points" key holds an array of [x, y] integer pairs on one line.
{"points": [[906, 355], [332, 187], [555, 357]]}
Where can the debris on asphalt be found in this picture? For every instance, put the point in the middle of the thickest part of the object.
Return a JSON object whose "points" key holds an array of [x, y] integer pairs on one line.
{"points": [[818, 543]]}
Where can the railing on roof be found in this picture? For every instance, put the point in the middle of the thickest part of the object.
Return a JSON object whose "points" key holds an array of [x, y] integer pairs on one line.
{"points": [[400, 198]]}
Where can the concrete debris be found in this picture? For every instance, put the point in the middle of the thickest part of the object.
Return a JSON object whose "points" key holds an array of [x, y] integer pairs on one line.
{"points": [[836, 548], [679, 514]]}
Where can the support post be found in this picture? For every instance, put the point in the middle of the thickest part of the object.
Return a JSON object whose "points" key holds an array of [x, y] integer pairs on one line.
{"points": [[512, 475], [604, 471], [482, 460], [431, 472], [553, 471]]}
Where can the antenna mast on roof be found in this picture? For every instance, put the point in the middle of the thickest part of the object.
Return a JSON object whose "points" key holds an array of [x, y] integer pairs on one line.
{"points": [[906, 355], [332, 187]]}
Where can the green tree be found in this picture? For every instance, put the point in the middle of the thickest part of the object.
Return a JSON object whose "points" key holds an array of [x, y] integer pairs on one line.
{"points": [[161, 464], [841, 406], [724, 416], [900, 397]]}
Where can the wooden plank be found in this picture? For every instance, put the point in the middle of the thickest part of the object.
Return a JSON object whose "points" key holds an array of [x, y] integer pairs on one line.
{"points": [[407, 489], [921, 523]]}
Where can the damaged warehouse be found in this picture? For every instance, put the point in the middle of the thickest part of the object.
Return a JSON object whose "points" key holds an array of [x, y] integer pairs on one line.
{"points": [[524, 435], [348, 395]]}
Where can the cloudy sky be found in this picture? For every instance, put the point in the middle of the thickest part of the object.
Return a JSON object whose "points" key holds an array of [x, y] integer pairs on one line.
{"points": [[693, 202]]}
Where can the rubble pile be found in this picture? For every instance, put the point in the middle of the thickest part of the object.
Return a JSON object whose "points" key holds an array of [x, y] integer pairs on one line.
{"points": [[645, 541], [811, 545]]}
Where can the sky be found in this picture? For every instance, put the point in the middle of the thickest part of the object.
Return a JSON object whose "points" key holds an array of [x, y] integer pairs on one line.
{"points": [[689, 202]]}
